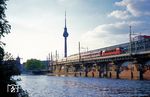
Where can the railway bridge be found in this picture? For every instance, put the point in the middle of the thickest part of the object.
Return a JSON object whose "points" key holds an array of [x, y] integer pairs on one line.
{"points": [[125, 65]]}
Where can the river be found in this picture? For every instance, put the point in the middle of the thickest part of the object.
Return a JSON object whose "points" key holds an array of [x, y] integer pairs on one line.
{"points": [[54, 86]]}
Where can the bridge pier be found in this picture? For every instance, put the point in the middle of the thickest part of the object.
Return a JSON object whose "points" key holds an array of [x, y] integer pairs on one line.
{"points": [[117, 71], [90, 69], [66, 69], [76, 69], [99, 71], [141, 71], [54, 68], [86, 71], [106, 70], [110, 73], [57, 69], [117, 68], [141, 61]]}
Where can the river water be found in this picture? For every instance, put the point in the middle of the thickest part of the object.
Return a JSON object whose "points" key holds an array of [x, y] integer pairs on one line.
{"points": [[54, 86]]}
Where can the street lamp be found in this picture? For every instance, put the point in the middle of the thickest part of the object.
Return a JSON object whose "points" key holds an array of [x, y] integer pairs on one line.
{"points": [[79, 52], [130, 45]]}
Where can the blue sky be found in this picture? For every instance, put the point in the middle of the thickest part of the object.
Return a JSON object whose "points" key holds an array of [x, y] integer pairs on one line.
{"points": [[37, 25]]}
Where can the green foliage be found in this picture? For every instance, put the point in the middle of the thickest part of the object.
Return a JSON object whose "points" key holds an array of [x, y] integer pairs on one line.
{"points": [[8, 68], [7, 64], [8, 56], [34, 64], [1, 53], [4, 26]]}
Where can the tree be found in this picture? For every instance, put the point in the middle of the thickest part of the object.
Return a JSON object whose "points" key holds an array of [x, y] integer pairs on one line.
{"points": [[1, 54], [7, 67], [4, 29], [4, 26], [8, 56], [34, 64]]}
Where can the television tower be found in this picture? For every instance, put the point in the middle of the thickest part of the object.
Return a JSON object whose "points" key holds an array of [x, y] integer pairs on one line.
{"points": [[65, 35]]}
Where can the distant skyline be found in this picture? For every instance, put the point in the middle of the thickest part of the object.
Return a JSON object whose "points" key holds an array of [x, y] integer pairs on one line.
{"points": [[38, 25]]}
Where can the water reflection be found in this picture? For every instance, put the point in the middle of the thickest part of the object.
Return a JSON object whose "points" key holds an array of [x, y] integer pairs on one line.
{"points": [[53, 86]]}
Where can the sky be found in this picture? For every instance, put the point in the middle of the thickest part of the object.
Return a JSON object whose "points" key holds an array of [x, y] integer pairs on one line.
{"points": [[37, 25]]}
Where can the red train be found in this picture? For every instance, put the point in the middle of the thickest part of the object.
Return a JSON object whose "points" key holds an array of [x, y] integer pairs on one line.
{"points": [[95, 54], [115, 51]]}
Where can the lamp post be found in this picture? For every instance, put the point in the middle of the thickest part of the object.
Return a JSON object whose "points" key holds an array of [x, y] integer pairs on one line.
{"points": [[79, 52], [51, 58], [130, 41]]}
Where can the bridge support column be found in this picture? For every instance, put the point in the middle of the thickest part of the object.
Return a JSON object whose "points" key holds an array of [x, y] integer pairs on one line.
{"points": [[76, 68], [99, 70], [131, 74], [103, 70], [141, 71], [106, 70], [117, 70], [58, 68], [66, 67], [140, 63], [86, 71], [54, 69]]}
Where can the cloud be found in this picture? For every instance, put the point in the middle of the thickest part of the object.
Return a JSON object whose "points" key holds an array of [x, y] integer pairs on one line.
{"points": [[136, 7], [120, 14], [113, 28], [110, 34], [130, 12], [132, 8]]}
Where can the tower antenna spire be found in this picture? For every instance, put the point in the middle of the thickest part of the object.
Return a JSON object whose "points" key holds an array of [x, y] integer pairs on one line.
{"points": [[65, 19]]}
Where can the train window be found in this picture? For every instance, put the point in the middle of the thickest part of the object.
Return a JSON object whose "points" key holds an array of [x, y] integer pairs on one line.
{"points": [[117, 48]]}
